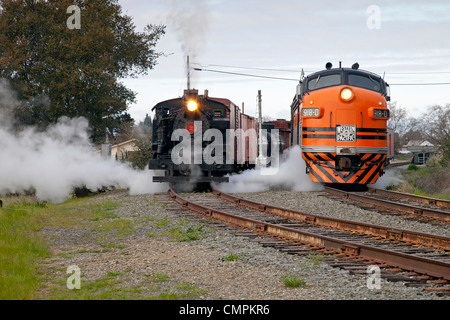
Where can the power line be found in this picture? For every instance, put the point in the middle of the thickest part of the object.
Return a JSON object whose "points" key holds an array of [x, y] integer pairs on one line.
{"points": [[420, 84], [246, 74], [420, 72], [297, 71], [248, 68], [291, 79]]}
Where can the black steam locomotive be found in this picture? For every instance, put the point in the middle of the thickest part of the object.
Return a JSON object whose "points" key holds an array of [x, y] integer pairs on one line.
{"points": [[200, 139]]}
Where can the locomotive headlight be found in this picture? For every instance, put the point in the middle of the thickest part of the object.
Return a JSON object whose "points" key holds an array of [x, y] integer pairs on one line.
{"points": [[192, 105], [347, 94]]}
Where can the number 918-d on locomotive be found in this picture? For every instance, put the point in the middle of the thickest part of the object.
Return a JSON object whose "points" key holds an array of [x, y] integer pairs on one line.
{"points": [[339, 118]]}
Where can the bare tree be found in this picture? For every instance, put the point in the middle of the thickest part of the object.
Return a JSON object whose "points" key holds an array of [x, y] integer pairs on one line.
{"points": [[436, 126], [399, 118], [399, 123]]}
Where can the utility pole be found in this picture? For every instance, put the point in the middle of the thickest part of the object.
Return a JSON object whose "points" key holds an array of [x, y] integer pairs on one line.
{"points": [[259, 123], [259, 160], [188, 76]]}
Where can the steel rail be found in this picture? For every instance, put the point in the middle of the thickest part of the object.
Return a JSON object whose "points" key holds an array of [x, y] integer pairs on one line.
{"points": [[411, 197], [388, 233], [404, 261], [443, 216]]}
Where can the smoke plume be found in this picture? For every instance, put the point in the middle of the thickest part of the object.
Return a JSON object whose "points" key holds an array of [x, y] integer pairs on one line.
{"points": [[55, 161], [190, 20], [290, 175]]}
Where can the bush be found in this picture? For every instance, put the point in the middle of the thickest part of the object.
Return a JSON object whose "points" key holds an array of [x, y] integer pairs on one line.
{"points": [[432, 180], [140, 158]]}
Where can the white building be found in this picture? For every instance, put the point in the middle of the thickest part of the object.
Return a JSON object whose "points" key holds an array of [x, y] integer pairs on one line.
{"points": [[122, 151]]}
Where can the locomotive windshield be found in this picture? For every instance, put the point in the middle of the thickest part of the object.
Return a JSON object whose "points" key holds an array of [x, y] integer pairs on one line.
{"points": [[364, 81], [344, 76], [323, 81]]}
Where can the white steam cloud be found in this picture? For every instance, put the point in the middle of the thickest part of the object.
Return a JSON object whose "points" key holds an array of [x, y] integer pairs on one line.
{"points": [[55, 161], [392, 177], [290, 175], [190, 19]]}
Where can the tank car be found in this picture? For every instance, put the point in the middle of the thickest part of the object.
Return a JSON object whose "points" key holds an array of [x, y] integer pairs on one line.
{"points": [[339, 118]]}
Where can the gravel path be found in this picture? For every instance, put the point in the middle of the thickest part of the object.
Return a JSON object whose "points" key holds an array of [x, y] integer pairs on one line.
{"points": [[150, 263]]}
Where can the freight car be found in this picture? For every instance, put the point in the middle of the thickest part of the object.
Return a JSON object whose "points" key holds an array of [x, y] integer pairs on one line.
{"points": [[198, 139], [339, 118]]}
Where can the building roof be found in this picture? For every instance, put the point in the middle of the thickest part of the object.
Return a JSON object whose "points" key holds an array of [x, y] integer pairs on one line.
{"points": [[419, 143]]}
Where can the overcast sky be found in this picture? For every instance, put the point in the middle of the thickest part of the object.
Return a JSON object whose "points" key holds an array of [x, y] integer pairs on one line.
{"points": [[406, 40]]}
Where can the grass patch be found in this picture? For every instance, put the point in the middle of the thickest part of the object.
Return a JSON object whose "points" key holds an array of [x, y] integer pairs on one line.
{"points": [[159, 277], [20, 248], [189, 234], [293, 281], [104, 288], [230, 257], [24, 274], [412, 167], [103, 210], [162, 223], [315, 259]]}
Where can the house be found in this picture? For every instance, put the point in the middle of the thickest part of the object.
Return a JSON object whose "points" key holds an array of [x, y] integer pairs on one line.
{"points": [[422, 150], [123, 151]]}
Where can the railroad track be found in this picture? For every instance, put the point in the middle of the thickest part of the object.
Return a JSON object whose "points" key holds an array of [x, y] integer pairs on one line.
{"points": [[424, 208], [418, 259]]}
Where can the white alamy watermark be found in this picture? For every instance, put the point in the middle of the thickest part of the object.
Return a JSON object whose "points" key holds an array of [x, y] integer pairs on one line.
{"points": [[74, 21], [374, 18], [374, 278], [74, 280], [241, 146]]}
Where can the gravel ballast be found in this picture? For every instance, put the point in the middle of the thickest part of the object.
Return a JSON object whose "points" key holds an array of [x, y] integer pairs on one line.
{"points": [[138, 258]]}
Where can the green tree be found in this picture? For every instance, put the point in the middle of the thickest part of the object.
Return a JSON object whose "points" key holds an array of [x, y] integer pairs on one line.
{"points": [[60, 71], [139, 160]]}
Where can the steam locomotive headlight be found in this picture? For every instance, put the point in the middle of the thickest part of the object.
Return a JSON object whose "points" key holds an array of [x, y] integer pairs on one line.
{"points": [[347, 94], [192, 105]]}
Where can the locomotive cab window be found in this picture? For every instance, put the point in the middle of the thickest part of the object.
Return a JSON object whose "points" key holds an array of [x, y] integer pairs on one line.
{"points": [[323, 81], [218, 113], [364, 81]]}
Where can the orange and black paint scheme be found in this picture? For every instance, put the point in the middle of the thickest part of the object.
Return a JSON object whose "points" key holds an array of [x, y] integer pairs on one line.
{"points": [[339, 118]]}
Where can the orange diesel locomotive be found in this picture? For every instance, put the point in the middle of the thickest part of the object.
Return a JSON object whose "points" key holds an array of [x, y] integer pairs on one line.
{"points": [[339, 119]]}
